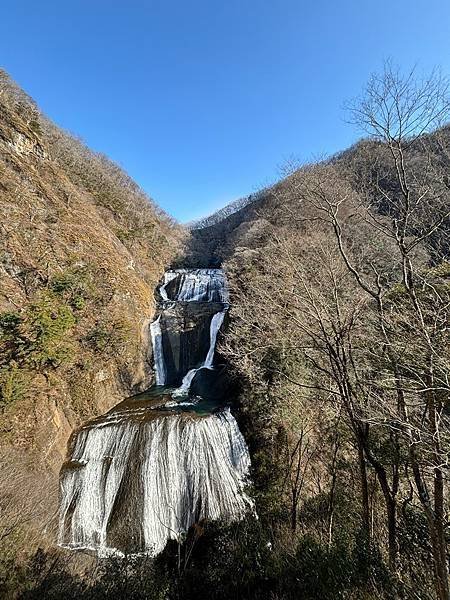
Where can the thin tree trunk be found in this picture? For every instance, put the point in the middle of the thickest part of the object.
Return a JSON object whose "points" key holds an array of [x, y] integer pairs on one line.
{"points": [[332, 492], [440, 561], [435, 527], [365, 511], [438, 528], [392, 532], [391, 511]]}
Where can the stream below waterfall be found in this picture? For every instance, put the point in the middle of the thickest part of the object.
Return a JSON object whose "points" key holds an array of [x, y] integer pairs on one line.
{"points": [[165, 459]]}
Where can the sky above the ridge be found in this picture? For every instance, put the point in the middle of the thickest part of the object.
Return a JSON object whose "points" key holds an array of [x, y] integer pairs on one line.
{"points": [[203, 101]]}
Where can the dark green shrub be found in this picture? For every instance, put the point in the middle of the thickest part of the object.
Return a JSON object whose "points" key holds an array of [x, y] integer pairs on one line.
{"points": [[49, 321], [14, 384], [76, 286], [109, 338]]}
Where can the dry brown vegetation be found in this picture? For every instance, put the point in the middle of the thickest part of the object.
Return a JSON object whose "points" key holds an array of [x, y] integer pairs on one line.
{"points": [[340, 332], [81, 250]]}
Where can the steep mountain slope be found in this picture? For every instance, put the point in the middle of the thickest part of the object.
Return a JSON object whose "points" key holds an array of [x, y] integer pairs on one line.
{"points": [[337, 312], [81, 251]]}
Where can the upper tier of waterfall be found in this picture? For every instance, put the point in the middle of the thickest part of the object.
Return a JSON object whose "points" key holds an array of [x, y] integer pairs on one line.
{"points": [[192, 307], [161, 461], [194, 285]]}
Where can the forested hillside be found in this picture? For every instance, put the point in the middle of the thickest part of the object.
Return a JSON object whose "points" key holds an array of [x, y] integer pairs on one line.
{"points": [[339, 330], [81, 250]]}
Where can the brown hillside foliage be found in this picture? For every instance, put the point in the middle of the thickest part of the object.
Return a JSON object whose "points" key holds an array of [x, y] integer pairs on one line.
{"points": [[81, 250], [340, 332]]}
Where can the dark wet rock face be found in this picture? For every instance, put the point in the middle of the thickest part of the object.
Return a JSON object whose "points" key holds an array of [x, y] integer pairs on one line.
{"points": [[165, 459], [186, 336], [212, 385]]}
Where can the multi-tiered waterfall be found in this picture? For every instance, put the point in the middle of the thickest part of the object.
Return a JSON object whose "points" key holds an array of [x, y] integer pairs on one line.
{"points": [[161, 461]]}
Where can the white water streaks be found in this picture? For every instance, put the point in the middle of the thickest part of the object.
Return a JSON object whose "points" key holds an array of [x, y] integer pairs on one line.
{"points": [[132, 486], [158, 354], [194, 285], [216, 324], [168, 277]]}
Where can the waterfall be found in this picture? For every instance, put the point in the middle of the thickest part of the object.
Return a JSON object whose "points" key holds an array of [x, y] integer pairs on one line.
{"points": [[158, 356], [202, 294], [156, 464], [168, 276], [216, 323], [186, 469], [194, 285]]}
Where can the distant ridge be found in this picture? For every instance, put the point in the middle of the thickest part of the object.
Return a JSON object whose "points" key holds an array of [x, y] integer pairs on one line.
{"points": [[226, 211]]}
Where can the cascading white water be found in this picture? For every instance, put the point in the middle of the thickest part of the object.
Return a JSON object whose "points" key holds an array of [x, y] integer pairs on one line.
{"points": [[199, 286], [195, 285], [168, 277], [158, 355], [216, 324], [187, 469], [152, 467]]}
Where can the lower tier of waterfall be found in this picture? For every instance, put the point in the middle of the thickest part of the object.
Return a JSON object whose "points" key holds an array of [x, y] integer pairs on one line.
{"points": [[135, 482]]}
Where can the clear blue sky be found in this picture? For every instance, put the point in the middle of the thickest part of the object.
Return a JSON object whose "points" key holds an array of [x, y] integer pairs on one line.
{"points": [[201, 101]]}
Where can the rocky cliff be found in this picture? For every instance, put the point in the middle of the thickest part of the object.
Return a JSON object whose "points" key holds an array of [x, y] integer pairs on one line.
{"points": [[81, 251]]}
